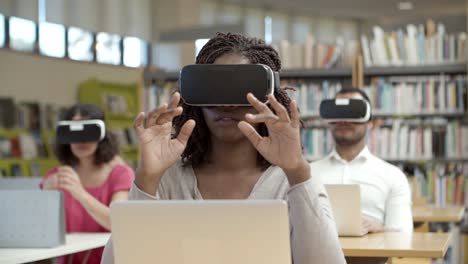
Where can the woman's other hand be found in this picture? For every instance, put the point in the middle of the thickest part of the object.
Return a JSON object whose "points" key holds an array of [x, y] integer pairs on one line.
{"points": [[68, 179], [282, 147]]}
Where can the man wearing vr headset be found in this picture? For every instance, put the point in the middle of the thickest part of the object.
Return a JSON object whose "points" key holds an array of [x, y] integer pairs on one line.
{"points": [[385, 192], [236, 152]]}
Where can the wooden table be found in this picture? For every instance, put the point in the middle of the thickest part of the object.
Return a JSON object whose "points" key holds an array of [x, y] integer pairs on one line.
{"points": [[75, 242], [437, 214], [393, 244]]}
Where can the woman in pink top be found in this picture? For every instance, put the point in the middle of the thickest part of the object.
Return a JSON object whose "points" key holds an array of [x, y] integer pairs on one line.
{"points": [[91, 177]]}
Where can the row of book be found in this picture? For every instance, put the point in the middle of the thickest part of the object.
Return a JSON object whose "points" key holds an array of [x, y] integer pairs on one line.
{"points": [[308, 94], [406, 95], [28, 115], [116, 104], [158, 93], [317, 142], [33, 145], [400, 139], [417, 139], [31, 168], [441, 184], [419, 45], [415, 95], [314, 54], [26, 145], [12, 170]]}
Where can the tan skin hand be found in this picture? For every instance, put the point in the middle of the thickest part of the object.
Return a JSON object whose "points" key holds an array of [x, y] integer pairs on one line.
{"points": [[371, 226], [69, 180], [51, 182], [157, 150], [283, 145], [66, 178]]}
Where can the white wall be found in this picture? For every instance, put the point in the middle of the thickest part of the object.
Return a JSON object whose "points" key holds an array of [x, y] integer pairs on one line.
{"points": [[37, 78]]}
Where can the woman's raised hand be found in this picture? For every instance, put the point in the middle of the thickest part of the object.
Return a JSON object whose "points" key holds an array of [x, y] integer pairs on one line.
{"points": [[157, 150]]}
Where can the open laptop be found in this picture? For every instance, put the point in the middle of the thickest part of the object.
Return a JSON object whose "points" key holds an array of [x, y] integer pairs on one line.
{"points": [[345, 200], [201, 232], [20, 183]]}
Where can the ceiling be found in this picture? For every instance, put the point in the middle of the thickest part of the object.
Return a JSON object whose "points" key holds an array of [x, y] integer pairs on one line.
{"points": [[376, 10]]}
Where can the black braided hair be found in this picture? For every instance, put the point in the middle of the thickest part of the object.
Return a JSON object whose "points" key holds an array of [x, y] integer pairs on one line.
{"points": [[256, 51]]}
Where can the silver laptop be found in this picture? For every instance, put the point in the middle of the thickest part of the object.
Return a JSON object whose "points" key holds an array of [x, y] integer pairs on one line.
{"points": [[345, 201], [201, 232], [31, 219], [20, 183]]}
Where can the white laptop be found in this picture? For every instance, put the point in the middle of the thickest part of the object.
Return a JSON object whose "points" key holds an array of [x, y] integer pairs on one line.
{"points": [[345, 201], [201, 232]]}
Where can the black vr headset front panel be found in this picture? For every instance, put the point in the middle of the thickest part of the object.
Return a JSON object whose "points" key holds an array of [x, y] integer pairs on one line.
{"points": [[345, 110], [80, 131], [213, 84]]}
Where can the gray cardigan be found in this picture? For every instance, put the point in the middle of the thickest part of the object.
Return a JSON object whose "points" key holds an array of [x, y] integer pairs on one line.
{"points": [[314, 237]]}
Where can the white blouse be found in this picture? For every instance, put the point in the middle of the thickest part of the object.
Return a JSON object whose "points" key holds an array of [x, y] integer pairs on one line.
{"points": [[385, 191]]}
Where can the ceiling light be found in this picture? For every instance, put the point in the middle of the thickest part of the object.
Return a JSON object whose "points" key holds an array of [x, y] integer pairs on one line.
{"points": [[405, 5]]}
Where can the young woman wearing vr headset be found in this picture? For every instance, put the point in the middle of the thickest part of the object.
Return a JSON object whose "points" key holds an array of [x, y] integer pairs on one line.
{"points": [[236, 152], [91, 176]]}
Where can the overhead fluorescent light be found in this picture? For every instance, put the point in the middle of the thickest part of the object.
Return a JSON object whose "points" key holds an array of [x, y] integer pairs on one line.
{"points": [[405, 5]]}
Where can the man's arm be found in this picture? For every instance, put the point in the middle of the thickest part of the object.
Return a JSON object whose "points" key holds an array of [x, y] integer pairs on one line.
{"points": [[398, 214]]}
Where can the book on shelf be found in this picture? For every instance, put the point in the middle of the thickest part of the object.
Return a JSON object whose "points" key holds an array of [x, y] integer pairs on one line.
{"points": [[32, 116], [418, 139], [309, 93], [157, 94], [396, 139], [24, 145], [316, 142], [28, 115], [50, 114], [441, 184], [7, 112], [314, 54], [410, 95], [415, 45], [115, 104]]}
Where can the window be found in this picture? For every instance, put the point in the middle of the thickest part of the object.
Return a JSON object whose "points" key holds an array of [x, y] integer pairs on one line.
{"points": [[199, 43], [268, 33], [80, 44], [108, 48], [52, 39], [2, 30], [22, 34], [135, 52]]}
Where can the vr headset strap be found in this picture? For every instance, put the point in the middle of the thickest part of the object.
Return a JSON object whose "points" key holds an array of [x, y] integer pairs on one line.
{"points": [[276, 80]]}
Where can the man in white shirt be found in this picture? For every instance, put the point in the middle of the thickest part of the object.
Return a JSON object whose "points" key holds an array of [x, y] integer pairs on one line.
{"points": [[385, 192]]}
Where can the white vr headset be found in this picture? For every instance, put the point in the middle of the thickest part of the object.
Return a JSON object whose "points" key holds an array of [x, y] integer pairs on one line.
{"points": [[345, 110], [80, 131]]}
